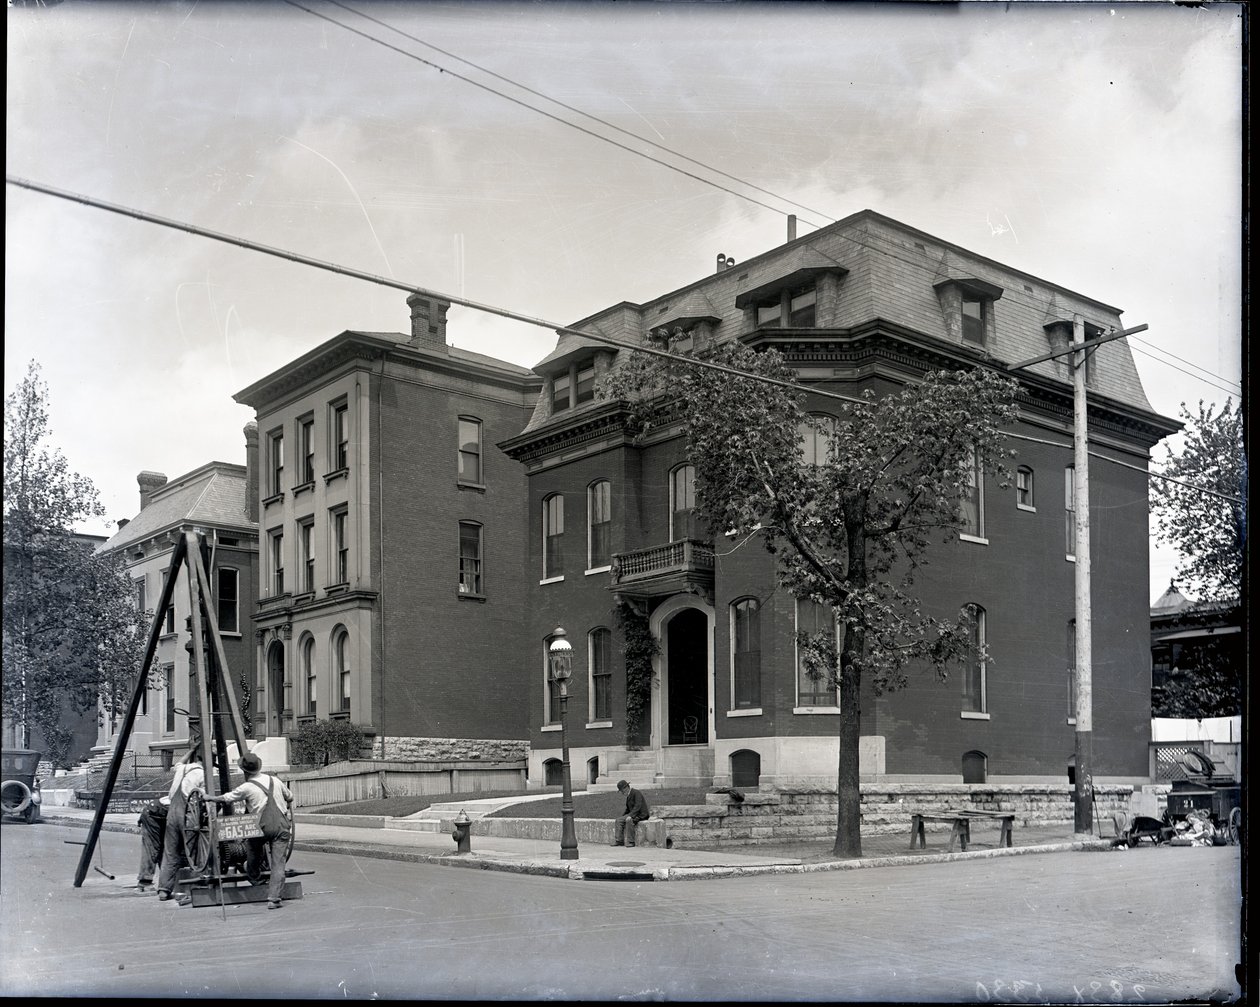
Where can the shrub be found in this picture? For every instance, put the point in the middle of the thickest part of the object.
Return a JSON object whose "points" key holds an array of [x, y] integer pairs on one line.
{"points": [[324, 741]]}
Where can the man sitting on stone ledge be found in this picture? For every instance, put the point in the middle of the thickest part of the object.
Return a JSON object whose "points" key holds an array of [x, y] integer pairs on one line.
{"points": [[636, 811]]}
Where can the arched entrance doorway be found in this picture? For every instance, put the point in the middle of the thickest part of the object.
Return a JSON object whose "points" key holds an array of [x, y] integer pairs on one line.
{"points": [[275, 686], [687, 678]]}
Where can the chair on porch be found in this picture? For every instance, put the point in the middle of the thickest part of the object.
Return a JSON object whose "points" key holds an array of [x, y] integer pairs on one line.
{"points": [[691, 730]]}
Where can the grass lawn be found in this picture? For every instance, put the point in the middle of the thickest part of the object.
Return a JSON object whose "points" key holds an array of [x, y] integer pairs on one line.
{"points": [[603, 805]]}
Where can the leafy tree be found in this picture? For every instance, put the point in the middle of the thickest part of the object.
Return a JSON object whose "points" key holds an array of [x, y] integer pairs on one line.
{"points": [[1206, 681], [847, 529], [71, 626], [1207, 529]]}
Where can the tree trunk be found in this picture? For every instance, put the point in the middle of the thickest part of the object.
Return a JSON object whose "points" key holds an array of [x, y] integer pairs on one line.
{"points": [[848, 786]]}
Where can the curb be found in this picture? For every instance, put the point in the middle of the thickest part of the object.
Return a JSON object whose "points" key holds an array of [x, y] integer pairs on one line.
{"points": [[580, 872]]}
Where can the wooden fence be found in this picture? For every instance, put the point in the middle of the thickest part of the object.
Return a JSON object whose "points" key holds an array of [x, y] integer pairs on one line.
{"points": [[361, 780]]}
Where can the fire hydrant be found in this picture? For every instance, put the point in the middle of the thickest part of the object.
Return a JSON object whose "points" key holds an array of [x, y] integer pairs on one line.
{"points": [[462, 833]]}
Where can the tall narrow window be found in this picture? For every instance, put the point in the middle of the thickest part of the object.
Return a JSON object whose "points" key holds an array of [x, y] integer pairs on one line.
{"points": [[1071, 668], [601, 674], [469, 558], [599, 521], [469, 450], [585, 384], [746, 652], [340, 437], [168, 687], [341, 548], [971, 509], [306, 536], [816, 435], [1069, 510], [309, 684], [812, 618], [553, 536], [341, 655], [277, 562], [682, 503], [169, 626], [275, 452], [974, 683], [306, 441], [973, 319], [1024, 488], [561, 390], [141, 600], [228, 608], [802, 304]]}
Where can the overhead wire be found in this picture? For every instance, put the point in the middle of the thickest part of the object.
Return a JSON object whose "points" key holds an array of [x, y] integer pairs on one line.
{"points": [[588, 115], [708, 167], [501, 312], [534, 108]]}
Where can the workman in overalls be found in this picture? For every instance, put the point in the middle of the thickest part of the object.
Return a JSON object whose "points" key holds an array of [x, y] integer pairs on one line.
{"points": [[189, 776]]}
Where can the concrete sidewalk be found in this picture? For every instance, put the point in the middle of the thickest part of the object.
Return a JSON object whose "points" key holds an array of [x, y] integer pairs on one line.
{"points": [[372, 837]]}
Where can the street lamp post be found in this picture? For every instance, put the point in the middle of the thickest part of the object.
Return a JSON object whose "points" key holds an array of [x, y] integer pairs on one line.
{"points": [[560, 654]]}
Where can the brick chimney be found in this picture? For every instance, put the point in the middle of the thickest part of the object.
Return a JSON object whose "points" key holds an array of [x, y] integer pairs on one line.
{"points": [[150, 483], [251, 470], [428, 322]]}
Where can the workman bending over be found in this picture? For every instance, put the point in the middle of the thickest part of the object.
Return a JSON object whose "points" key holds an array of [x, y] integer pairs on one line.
{"points": [[189, 776], [270, 850]]}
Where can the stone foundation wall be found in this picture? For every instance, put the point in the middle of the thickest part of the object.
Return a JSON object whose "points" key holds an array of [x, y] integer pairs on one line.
{"points": [[800, 812], [450, 749]]}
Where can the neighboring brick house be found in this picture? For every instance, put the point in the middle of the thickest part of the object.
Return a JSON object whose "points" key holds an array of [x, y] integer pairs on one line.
{"points": [[213, 501], [864, 303], [393, 554]]}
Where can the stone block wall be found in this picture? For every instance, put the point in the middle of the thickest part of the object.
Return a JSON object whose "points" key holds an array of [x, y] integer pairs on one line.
{"points": [[450, 749], [801, 812]]}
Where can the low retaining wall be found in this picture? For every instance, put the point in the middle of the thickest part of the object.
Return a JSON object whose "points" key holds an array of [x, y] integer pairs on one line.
{"points": [[791, 812], [449, 749], [357, 780], [588, 830]]}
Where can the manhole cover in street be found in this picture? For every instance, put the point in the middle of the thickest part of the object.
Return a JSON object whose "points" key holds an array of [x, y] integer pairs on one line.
{"points": [[625, 863]]}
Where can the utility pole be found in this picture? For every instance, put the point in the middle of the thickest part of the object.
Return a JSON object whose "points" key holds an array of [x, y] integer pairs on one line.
{"points": [[1083, 818], [1081, 348]]}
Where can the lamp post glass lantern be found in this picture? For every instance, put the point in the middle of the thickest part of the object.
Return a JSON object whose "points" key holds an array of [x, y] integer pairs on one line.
{"points": [[560, 654]]}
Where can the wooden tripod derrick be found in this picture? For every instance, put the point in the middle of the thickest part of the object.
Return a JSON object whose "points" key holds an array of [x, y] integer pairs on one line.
{"points": [[213, 699]]}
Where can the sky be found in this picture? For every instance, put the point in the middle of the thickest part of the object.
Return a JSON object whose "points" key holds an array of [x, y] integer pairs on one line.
{"points": [[1096, 146]]}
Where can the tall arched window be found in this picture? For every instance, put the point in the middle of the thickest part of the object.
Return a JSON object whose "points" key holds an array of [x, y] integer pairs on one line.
{"points": [[341, 666], [746, 653], [599, 524], [1024, 499], [816, 438], [971, 508], [469, 468], [600, 642], [553, 536], [310, 690], [975, 680], [813, 689], [682, 503]]}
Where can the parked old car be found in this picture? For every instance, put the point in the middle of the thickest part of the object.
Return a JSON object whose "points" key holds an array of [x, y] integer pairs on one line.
{"points": [[19, 795]]}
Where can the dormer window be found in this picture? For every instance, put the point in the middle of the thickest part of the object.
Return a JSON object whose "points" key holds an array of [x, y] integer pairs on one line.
{"points": [[560, 386], [973, 309], [791, 301], [967, 304], [585, 382], [574, 386], [793, 307]]}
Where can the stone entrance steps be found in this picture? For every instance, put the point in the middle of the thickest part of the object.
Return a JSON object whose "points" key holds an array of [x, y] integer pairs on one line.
{"points": [[639, 770]]}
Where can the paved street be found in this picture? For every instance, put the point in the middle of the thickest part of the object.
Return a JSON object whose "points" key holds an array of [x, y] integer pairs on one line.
{"points": [[1146, 925]]}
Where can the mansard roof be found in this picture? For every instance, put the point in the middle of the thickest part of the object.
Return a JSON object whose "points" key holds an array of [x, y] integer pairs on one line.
{"points": [[213, 495]]}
